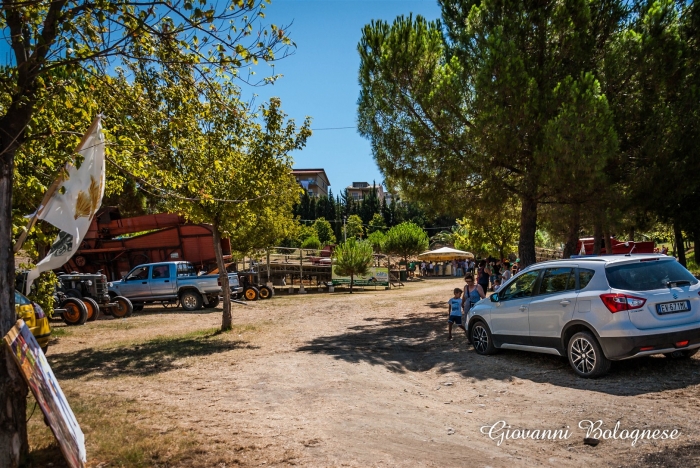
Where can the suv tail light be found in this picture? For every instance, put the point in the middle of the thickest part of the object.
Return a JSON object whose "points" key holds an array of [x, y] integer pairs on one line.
{"points": [[619, 302]]}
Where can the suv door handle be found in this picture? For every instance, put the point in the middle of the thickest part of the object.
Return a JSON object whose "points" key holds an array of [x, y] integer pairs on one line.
{"points": [[166, 281], [523, 308], [565, 302]]}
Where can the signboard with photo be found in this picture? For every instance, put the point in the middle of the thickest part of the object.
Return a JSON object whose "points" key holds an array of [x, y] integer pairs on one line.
{"points": [[377, 276], [36, 371]]}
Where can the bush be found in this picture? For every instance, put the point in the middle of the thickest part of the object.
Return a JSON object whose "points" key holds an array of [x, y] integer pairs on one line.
{"points": [[311, 242]]}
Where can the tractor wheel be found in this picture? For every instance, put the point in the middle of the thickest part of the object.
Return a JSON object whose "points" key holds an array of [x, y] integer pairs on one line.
{"points": [[251, 293], [265, 292], [76, 313], [123, 309], [92, 307], [213, 302]]}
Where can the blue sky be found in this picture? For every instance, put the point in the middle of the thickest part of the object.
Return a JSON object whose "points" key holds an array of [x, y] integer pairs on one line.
{"points": [[320, 79]]}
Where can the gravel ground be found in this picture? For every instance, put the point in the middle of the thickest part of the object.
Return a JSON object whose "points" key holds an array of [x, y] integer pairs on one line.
{"points": [[367, 379]]}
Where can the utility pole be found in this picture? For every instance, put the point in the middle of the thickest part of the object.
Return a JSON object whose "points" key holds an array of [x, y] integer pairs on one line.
{"points": [[345, 229]]}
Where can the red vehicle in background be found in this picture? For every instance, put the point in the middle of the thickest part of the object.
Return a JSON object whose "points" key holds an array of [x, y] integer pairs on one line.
{"points": [[115, 245], [618, 247]]}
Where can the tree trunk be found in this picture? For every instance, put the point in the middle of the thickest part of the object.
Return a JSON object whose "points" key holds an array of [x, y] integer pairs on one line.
{"points": [[630, 234], [14, 447], [572, 232], [606, 238], [528, 228], [680, 245], [597, 236], [226, 320], [351, 281]]}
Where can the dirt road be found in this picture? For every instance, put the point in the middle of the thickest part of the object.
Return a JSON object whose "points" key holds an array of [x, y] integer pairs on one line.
{"points": [[367, 379]]}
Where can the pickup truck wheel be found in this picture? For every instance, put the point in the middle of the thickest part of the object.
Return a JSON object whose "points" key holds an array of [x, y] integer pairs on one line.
{"points": [[76, 313], [191, 300], [251, 294], [213, 302], [138, 307], [265, 292], [93, 309], [123, 309]]}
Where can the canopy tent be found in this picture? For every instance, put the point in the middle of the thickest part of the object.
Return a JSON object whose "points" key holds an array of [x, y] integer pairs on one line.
{"points": [[445, 253]]}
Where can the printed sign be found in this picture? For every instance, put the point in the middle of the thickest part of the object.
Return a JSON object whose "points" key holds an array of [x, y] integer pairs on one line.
{"points": [[377, 277], [40, 378]]}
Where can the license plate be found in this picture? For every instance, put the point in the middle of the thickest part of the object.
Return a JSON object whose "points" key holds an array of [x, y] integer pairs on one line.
{"points": [[672, 307]]}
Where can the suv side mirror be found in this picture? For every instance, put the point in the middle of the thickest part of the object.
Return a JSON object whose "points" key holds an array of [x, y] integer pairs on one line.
{"points": [[494, 297]]}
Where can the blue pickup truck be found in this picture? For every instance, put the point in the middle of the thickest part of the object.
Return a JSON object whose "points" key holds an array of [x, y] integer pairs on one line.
{"points": [[170, 282]]}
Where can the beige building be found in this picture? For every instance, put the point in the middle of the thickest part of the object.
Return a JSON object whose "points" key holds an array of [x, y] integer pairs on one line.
{"points": [[359, 190], [314, 181]]}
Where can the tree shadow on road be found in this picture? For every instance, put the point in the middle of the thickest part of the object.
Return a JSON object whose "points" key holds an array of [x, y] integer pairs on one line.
{"points": [[139, 359], [418, 342]]}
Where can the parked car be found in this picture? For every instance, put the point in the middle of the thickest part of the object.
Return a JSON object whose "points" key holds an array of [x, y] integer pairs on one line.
{"points": [[593, 310], [170, 282], [35, 318]]}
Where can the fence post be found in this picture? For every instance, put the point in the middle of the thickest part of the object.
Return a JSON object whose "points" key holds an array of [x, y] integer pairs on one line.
{"points": [[301, 272]]}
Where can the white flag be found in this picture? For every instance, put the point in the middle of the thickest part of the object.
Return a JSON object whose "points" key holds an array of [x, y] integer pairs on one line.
{"points": [[583, 249], [72, 207]]}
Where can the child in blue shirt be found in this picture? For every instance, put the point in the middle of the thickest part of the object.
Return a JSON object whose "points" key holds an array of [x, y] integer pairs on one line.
{"points": [[455, 308]]}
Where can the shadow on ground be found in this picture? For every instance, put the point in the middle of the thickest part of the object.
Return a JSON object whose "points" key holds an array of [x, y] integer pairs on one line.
{"points": [[418, 342], [676, 457], [147, 358]]}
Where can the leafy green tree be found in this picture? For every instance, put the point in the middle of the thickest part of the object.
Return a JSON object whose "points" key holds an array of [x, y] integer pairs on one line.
{"points": [[352, 258], [354, 227], [463, 107], [67, 37], [493, 232], [406, 239], [324, 231], [377, 223], [377, 239], [311, 242]]}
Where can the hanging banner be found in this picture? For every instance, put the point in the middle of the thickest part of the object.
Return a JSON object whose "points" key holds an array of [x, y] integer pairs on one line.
{"points": [[74, 202], [36, 371], [377, 276]]}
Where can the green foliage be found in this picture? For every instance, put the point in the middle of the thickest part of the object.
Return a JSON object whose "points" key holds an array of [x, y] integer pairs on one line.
{"points": [[311, 242], [492, 232], [498, 96], [352, 258], [42, 291], [406, 239], [305, 232], [354, 227], [377, 223], [324, 231], [377, 239]]}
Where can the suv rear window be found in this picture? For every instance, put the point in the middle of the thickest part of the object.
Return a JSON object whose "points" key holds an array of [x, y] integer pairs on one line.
{"points": [[647, 275]]}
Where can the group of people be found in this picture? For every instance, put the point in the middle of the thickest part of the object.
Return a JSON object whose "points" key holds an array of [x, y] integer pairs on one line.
{"points": [[489, 276], [458, 268]]}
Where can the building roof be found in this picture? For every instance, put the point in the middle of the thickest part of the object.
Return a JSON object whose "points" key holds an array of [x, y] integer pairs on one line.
{"points": [[311, 171]]}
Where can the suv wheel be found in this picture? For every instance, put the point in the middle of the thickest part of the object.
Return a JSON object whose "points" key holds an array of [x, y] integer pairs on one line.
{"points": [[481, 339], [586, 357]]}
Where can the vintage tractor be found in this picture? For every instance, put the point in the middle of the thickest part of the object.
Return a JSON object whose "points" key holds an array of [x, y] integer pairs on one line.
{"points": [[253, 291], [91, 290]]}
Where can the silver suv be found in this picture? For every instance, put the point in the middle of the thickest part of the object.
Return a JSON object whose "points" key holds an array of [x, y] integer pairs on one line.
{"points": [[593, 310]]}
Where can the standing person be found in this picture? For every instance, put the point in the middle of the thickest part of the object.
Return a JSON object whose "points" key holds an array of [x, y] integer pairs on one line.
{"points": [[473, 293], [430, 268], [423, 269], [506, 275], [454, 307], [483, 275], [454, 267]]}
